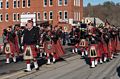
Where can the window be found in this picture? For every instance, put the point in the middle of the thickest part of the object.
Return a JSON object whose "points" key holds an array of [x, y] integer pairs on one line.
{"points": [[18, 17], [18, 3], [59, 2], [38, 16], [14, 17], [35, 13], [65, 2], [45, 3], [74, 2], [78, 2], [28, 12], [50, 2], [7, 4], [1, 17], [28, 3], [44, 16], [6, 17], [65, 15], [14, 4], [23, 3], [51, 15], [1, 4], [60, 14]]}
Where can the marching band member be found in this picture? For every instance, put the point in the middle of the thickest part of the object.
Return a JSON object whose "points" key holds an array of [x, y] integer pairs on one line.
{"points": [[30, 42], [42, 39], [83, 41], [114, 40], [75, 39], [10, 45], [99, 44], [48, 46], [57, 43], [106, 40], [17, 45], [20, 38], [93, 49]]}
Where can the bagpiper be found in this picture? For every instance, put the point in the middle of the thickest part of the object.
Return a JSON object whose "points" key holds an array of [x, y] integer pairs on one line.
{"points": [[48, 46], [83, 41], [106, 43], [57, 43], [17, 44], [10, 45], [30, 43], [20, 34], [93, 46], [41, 42]]}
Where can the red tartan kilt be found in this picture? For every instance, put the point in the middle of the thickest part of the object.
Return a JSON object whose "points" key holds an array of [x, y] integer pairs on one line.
{"points": [[100, 49], [49, 51], [34, 52], [17, 48], [105, 49], [12, 47], [97, 51], [111, 46], [114, 44], [58, 50], [118, 45], [16, 45]]}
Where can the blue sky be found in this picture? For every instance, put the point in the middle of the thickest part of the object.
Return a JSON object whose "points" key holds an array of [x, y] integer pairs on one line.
{"points": [[94, 2]]}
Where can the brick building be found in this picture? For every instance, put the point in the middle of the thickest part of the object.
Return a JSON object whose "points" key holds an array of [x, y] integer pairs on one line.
{"points": [[46, 10]]}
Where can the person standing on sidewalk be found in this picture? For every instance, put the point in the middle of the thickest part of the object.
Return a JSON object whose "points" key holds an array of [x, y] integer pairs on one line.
{"points": [[30, 43]]}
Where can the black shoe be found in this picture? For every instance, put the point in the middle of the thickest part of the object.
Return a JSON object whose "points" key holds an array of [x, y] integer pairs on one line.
{"points": [[48, 64], [108, 60], [26, 71], [37, 68]]}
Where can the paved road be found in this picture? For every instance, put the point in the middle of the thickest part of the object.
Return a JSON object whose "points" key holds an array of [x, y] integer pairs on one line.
{"points": [[70, 68], [20, 65]]}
